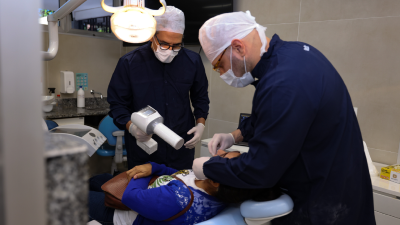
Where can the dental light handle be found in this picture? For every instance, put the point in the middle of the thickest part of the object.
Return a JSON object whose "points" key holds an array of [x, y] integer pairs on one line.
{"points": [[168, 136]]}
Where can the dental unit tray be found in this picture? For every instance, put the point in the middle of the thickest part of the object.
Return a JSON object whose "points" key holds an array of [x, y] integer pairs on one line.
{"points": [[86, 135]]}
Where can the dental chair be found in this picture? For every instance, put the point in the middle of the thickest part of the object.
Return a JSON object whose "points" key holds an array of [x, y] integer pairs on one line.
{"points": [[115, 142], [51, 124], [253, 213]]}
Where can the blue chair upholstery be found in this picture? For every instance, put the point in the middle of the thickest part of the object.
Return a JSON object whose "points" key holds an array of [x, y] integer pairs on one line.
{"points": [[280, 206], [51, 124], [107, 127], [107, 150], [229, 216], [113, 134], [234, 215]]}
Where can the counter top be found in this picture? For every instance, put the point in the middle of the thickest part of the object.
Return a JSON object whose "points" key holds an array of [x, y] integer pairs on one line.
{"points": [[382, 185], [75, 112]]}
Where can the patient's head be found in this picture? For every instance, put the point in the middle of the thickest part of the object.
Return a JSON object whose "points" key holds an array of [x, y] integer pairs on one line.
{"points": [[229, 194]]}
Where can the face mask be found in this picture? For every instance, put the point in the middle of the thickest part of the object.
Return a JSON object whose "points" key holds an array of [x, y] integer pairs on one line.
{"points": [[234, 81], [165, 56]]}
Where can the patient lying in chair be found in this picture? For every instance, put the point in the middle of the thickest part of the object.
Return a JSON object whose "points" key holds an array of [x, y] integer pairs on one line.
{"points": [[167, 196]]}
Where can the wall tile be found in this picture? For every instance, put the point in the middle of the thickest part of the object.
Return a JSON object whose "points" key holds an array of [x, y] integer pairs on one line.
{"points": [[228, 102], [318, 10], [287, 32], [382, 156], [365, 52], [97, 57], [270, 11], [220, 126]]}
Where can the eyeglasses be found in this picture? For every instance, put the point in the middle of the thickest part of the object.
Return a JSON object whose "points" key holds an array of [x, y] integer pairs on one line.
{"points": [[166, 46], [219, 61], [226, 153]]}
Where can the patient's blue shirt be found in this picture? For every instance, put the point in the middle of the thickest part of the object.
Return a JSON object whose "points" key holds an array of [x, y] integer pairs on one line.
{"points": [[167, 197]]}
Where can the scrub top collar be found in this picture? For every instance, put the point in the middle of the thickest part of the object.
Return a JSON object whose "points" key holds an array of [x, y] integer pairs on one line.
{"points": [[263, 65]]}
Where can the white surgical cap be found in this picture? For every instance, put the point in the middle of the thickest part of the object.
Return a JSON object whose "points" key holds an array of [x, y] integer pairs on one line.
{"points": [[173, 20], [217, 33]]}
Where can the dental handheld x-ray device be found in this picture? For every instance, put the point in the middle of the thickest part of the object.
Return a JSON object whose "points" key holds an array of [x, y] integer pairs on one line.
{"points": [[151, 122]]}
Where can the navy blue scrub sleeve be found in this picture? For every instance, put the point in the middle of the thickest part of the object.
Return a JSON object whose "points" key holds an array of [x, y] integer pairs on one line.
{"points": [[283, 118], [120, 95], [199, 93]]}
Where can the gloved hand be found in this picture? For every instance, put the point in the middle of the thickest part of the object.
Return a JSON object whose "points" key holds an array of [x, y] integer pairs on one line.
{"points": [[198, 167], [198, 132], [220, 141], [140, 135]]}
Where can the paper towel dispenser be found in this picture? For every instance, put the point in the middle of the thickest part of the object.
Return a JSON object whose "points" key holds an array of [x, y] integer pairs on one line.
{"points": [[67, 82]]}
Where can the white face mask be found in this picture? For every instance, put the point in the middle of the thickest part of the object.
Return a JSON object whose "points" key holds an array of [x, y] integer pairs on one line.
{"points": [[165, 56], [234, 81]]}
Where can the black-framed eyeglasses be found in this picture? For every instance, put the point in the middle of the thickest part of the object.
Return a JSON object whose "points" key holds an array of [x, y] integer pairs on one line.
{"points": [[167, 46]]}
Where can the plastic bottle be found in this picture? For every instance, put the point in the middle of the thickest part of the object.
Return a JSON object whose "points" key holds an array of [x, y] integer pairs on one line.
{"points": [[81, 98], [58, 102]]}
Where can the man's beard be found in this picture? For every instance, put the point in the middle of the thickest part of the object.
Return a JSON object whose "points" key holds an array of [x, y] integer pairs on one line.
{"points": [[237, 66]]}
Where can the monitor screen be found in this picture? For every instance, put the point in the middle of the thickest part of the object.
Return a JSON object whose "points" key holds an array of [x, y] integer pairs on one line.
{"points": [[197, 12]]}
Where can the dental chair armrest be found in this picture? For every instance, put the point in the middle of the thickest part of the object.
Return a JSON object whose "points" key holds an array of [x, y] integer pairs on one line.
{"points": [[119, 133], [119, 147]]}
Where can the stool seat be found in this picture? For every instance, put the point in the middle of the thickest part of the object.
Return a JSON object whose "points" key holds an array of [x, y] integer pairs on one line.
{"points": [[278, 207], [108, 150], [229, 216]]}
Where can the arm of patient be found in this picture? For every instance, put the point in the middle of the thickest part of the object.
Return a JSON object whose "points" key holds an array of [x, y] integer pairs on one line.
{"points": [[161, 169], [156, 204]]}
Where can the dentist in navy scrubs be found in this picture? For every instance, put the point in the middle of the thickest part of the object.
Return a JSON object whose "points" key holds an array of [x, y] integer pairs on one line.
{"points": [[169, 78], [303, 133]]}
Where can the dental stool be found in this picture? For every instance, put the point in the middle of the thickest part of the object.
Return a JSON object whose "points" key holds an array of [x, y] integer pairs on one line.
{"points": [[253, 213], [115, 142]]}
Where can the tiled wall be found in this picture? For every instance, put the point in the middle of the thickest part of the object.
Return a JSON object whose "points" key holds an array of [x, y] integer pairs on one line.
{"points": [[360, 37], [95, 56]]}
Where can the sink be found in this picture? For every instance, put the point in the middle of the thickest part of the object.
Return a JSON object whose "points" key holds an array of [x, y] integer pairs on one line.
{"points": [[48, 103], [47, 100]]}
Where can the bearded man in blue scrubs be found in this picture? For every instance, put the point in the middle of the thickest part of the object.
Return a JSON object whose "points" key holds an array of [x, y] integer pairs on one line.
{"points": [[303, 133], [168, 77]]}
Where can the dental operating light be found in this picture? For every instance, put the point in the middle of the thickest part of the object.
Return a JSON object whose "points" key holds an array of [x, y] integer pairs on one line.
{"points": [[133, 22]]}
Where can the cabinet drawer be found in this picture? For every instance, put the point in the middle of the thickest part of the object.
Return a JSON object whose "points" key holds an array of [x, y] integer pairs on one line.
{"points": [[387, 205], [382, 219]]}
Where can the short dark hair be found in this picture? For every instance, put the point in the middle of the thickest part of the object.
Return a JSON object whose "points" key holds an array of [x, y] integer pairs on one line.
{"points": [[230, 194]]}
